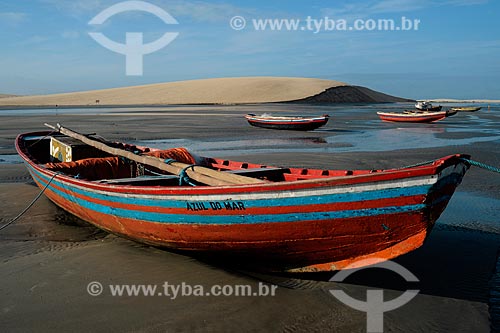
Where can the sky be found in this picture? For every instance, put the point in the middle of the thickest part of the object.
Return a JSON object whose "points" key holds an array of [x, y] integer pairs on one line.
{"points": [[455, 53]]}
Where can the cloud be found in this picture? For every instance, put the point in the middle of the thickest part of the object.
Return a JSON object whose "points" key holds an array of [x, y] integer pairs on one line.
{"points": [[390, 6], [371, 7], [199, 11], [465, 2], [366, 8], [202, 11], [69, 34], [78, 7], [12, 17], [33, 40]]}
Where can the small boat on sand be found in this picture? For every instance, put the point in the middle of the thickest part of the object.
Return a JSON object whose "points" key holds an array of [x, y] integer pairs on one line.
{"points": [[426, 106], [451, 112], [413, 116], [287, 123], [272, 218], [466, 109]]}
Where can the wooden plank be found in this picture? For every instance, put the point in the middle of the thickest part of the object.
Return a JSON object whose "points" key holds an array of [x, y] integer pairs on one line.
{"points": [[200, 174]]}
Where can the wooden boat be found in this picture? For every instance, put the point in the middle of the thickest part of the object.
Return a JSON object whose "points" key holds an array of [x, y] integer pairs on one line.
{"points": [[413, 116], [466, 109], [451, 112], [426, 106], [287, 123], [286, 219]]}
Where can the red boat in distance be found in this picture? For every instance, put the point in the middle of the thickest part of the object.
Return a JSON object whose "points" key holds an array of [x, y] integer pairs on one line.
{"points": [[287, 123], [413, 116]]}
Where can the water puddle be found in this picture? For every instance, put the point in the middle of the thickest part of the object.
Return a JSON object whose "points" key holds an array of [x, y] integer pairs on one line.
{"points": [[10, 159], [357, 141], [221, 148], [472, 211], [405, 138]]}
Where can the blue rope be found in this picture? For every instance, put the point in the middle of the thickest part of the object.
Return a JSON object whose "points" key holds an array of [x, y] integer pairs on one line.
{"points": [[481, 165], [169, 161], [184, 178]]}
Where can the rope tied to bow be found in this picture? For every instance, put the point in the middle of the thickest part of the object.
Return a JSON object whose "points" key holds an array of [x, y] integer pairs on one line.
{"points": [[481, 165]]}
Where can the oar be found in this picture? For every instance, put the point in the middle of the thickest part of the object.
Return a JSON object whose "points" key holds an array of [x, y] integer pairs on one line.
{"points": [[201, 174]]}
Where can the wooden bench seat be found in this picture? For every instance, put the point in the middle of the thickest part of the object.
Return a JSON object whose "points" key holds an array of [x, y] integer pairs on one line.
{"points": [[273, 174]]}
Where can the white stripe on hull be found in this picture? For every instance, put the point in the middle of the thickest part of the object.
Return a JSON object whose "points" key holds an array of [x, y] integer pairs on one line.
{"points": [[332, 189]]}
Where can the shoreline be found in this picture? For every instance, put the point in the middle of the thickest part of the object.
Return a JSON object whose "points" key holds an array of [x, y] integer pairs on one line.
{"points": [[294, 102], [473, 101], [138, 106]]}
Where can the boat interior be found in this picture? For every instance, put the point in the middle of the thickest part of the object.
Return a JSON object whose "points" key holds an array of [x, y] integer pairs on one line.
{"points": [[91, 164]]}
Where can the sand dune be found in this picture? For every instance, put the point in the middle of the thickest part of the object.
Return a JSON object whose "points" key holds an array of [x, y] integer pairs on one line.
{"points": [[6, 95], [352, 94], [212, 91]]}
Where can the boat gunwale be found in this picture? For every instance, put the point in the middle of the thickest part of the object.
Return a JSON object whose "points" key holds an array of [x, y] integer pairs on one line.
{"points": [[413, 117], [284, 122], [290, 119], [414, 113], [378, 176]]}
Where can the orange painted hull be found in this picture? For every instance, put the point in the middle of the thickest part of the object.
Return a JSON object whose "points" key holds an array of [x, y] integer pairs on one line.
{"points": [[322, 223]]}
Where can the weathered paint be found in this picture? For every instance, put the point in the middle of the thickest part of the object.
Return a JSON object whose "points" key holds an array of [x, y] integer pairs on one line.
{"points": [[311, 225], [289, 123], [426, 117]]}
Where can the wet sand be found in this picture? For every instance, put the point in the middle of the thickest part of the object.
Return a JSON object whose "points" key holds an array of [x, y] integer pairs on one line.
{"points": [[48, 257]]}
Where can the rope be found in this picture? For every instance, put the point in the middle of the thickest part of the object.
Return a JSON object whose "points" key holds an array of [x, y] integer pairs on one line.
{"points": [[184, 178], [31, 204], [481, 165], [417, 164], [154, 173], [37, 141], [466, 160]]}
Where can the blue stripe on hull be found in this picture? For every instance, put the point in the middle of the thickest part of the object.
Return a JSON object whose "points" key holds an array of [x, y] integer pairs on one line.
{"points": [[233, 219], [258, 203]]}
